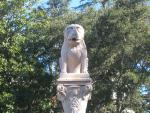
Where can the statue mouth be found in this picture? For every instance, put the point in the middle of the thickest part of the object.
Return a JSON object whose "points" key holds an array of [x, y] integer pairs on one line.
{"points": [[75, 39]]}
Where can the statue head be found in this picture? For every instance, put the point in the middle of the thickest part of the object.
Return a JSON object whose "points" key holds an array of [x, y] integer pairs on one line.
{"points": [[74, 34]]}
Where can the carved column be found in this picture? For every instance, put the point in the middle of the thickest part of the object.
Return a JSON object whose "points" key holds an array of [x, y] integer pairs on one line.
{"points": [[74, 91]]}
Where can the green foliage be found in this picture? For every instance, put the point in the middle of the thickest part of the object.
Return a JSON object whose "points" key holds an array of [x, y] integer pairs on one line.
{"points": [[117, 39], [119, 47]]}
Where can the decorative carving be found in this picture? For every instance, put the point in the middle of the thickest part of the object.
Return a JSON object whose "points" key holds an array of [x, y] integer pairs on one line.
{"points": [[61, 92], [74, 98], [74, 104], [74, 53]]}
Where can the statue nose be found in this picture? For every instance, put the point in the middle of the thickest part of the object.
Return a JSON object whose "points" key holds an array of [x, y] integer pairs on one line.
{"points": [[74, 39], [75, 34]]}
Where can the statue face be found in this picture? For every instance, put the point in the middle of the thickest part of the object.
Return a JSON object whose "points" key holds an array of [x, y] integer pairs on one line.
{"points": [[74, 33]]}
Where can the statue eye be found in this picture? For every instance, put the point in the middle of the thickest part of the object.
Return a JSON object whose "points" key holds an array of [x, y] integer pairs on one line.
{"points": [[69, 28], [78, 28]]}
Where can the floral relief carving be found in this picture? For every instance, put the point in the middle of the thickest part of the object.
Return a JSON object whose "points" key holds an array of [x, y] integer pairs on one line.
{"points": [[61, 92], [74, 104], [73, 97]]}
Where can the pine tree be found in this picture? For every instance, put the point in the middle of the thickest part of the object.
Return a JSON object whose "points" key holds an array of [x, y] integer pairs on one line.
{"points": [[58, 7]]}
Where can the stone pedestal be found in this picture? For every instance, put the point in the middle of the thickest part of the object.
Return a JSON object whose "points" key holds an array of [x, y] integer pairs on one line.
{"points": [[74, 91]]}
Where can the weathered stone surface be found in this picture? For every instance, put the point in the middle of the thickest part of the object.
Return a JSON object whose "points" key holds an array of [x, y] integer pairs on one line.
{"points": [[74, 85], [74, 98], [73, 53]]}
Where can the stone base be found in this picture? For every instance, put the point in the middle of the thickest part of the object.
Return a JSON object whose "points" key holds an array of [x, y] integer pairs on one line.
{"points": [[74, 79], [74, 91]]}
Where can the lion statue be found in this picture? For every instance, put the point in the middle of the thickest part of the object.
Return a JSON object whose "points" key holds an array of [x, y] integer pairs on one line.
{"points": [[74, 53]]}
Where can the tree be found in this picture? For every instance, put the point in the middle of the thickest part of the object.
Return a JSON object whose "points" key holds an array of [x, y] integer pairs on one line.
{"points": [[25, 85], [58, 7], [121, 59], [117, 39]]}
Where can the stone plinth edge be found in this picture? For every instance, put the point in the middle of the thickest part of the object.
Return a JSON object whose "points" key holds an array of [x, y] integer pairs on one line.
{"points": [[74, 78]]}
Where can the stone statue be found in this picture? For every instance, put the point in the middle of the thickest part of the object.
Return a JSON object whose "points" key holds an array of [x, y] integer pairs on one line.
{"points": [[74, 85], [74, 53]]}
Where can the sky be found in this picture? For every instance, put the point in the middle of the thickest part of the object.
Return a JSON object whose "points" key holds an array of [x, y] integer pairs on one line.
{"points": [[73, 3]]}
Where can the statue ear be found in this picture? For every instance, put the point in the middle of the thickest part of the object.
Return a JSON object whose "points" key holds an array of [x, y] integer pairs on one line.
{"points": [[64, 33], [84, 45]]}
